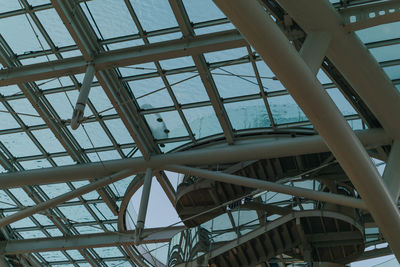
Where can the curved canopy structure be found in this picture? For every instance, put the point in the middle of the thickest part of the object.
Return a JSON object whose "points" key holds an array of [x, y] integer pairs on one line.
{"points": [[194, 133]]}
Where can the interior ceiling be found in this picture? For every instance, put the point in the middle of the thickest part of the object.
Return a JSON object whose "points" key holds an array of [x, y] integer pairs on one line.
{"points": [[149, 96]]}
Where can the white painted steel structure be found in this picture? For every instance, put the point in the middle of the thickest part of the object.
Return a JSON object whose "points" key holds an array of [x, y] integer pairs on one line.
{"points": [[190, 87]]}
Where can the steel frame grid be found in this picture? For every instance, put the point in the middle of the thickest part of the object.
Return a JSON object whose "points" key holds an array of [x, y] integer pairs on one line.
{"points": [[160, 73]]}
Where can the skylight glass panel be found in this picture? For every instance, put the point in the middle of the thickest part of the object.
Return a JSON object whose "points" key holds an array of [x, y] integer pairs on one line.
{"points": [[380, 32], [102, 211], [126, 44], [166, 125], [104, 155], [154, 15], [386, 53], [58, 82], [176, 63], [26, 222], [10, 90], [55, 28], [19, 144], [341, 102], [22, 197], [23, 106], [55, 232], [73, 53], [91, 195], [236, 80], [268, 79], [6, 201], [7, 120], [151, 93], [167, 147], [188, 88], [215, 28], [54, 190], [35, 60], [124, 263], [165, 37], [49, 142], [138, 69], [77, 213], [203, 121], [53, 256], [60, 161], [38, 2], [323, 78], [21, 31], [9, 5], [111, 17], [119, 131], [204, 10], [285, 110], [119, 188], [393, 72], [100, 101], [108, 252], [356, 124], [62, 105], [32, 234], [248, 114], [35, 164], [74, 254], [96, 134], [42, 219], [225, 55]]}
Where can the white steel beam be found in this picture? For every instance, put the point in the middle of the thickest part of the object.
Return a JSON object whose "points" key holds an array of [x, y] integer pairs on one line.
{"points": [[269, 41], [314, 49], [80, 105], [144, 201], [108, 239], [270, 186], [353, 60], [51, 203], [261, 148], [391, 175], [124, 57]]}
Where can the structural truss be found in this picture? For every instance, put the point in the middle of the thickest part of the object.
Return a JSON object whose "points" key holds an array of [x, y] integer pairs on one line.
{"points": [[278, 111]]}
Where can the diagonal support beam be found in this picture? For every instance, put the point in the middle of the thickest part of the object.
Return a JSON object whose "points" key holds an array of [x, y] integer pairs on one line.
{"points": [[307, 91], [314, 49], [270, 186], [108, 239], [42, 206], [391, 175]]}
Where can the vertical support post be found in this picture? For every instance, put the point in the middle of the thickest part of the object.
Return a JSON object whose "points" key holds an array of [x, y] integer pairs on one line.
{"points": [[77, 115], [144, 201], [391, 175]]}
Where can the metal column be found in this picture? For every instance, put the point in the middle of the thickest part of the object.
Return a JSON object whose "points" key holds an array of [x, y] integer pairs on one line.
{"points": [[144, 201], [79, 109], [283, 59]]}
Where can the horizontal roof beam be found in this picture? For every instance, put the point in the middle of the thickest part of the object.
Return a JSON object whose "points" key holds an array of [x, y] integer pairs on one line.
{"points": [[124, 57], [108, 239], [262, 148]]}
